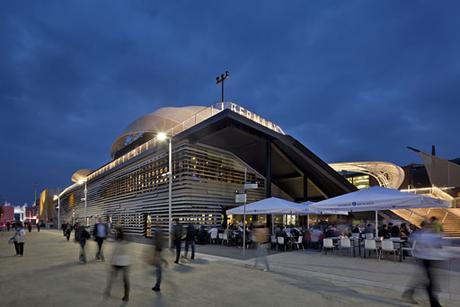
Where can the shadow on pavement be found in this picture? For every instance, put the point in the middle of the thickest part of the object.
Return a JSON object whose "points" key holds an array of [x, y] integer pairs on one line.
{"points": [[200, 261]]}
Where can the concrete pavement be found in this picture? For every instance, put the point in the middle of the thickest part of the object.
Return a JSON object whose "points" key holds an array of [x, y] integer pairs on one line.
{"points": [[49, 275]]}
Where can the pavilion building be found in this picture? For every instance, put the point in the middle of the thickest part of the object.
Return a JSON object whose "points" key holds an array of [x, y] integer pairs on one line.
{"points": [[213, 150]]}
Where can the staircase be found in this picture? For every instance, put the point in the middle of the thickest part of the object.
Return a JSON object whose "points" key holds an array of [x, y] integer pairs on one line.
{"points": [[448, 217]]}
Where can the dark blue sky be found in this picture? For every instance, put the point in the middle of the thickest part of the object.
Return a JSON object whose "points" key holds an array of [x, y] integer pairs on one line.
{"points": [[352, 80]]}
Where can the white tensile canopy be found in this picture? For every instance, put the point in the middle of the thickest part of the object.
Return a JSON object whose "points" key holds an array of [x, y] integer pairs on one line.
{"points": [[376, 199], [274, 205]]}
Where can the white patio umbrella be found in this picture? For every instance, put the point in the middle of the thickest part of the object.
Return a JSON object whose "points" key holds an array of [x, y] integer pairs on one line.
{"points": [[376, 199], [268, 206], [274, 205]]}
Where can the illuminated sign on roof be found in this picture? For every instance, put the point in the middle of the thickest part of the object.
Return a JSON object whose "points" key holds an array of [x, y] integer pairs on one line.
{"points": [[252, 116]]}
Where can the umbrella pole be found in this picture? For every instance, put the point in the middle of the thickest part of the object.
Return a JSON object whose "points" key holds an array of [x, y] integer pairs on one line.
{"points": [[308, 221], [376, 223], [273, 224]]}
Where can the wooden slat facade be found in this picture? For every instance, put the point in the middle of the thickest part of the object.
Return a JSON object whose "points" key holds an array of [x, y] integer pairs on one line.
{"points": [[204, 186]]}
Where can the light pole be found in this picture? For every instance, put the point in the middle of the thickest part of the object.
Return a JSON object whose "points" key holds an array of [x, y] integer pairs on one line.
{"points": [[86, 202], [221, 79], [163, 137], [56, 197], [85, 197]]}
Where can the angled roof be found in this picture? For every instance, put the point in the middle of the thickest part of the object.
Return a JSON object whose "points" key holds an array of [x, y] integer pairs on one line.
{"points": [[291, 163]]}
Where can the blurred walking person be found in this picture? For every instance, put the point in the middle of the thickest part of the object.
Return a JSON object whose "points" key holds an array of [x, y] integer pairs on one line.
{"points": [[428, 250], [261, 237], [121, 261], [82, 236], [38, 226], [177, 238], [8, 225], [29, 226], [19, 239], [67, 230], [158, 259], [190, 241], [100, 234]]}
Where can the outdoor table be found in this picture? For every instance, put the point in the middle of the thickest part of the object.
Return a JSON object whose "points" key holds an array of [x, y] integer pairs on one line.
{"points": [[401, 242]]}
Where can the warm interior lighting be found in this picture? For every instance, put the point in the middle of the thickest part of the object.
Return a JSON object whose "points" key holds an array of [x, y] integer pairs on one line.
{"points": [[161, 136]]}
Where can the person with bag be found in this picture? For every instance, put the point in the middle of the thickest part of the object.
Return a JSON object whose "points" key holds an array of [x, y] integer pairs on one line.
{"points": [[18, 239]]}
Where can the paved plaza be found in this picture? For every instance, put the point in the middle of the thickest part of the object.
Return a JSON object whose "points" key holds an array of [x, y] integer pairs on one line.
{"points": [[49, 275]]}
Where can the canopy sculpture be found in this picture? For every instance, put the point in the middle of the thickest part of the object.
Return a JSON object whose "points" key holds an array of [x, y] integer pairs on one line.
{"points": [[376, 199], [387, 174]]}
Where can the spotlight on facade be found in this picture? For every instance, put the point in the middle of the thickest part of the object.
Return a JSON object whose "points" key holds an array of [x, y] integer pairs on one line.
{"points": [[161, 136]]}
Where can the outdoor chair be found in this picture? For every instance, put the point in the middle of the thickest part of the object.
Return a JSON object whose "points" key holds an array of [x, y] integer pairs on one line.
{"points": [[213, 237], [369, 235], [409, 249], [298, 243], [280, 241], [345, 243], [388, 246], [315, 240], [328, 244], [371, 245], [224, 238], [273, 241]]}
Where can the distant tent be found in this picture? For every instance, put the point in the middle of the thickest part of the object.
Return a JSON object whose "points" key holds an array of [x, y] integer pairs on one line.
{"points": [[376, 199]]}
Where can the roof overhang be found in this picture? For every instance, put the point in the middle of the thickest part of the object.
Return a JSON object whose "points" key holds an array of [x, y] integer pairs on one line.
{"points": [[291, 161]]}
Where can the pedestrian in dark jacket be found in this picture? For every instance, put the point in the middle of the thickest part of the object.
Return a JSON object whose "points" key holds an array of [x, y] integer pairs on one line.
{"points": [[67, 230], [158, 260], [18, 239], [177, 238], [100, 234], [83, 236], [190, 240]]}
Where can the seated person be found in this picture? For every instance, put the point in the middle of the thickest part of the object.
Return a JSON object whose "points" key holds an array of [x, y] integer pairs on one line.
{"points": [[395, 232], [404, 231], [355, 229], [330, 232], [369, 229], [295, 232], [383, 232]]}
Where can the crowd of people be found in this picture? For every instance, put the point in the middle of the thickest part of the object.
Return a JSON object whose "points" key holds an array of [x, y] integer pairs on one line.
{"points": [[428, 237]]}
